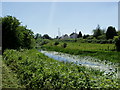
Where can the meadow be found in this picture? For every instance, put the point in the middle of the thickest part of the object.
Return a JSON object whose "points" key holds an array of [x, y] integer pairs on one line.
{"points": [[35, 70]]}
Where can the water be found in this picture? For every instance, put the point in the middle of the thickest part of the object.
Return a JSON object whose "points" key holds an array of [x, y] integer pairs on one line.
{"points": [[106, 66]]}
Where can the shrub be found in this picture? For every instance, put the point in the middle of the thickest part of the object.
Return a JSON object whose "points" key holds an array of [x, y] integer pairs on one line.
{"points": [[117, 43], [56, 43], [97, 41], [44, 42], [64, 45], [89, 41], [103, 41], [110, 41]]}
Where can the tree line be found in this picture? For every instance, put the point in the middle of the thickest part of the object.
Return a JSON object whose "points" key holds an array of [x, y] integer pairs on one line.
{"points": [[17, 36]]}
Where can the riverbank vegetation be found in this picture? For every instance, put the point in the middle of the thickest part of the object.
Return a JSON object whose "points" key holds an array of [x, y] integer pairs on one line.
{"points": [[100, 51], [32, 69], [35, 70]]}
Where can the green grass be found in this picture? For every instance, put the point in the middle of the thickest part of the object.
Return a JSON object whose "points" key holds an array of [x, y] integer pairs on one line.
{"points": [[100, 51], [35, 70], [85, 46]]}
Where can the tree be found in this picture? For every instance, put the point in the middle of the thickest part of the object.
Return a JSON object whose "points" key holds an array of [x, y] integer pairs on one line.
{"points": [[29, 40], [57, 37], [97, 32], [46, 36], [85, 36], [15, 36], [9, 25], [111, 32], [37, 36], [79, 35]]}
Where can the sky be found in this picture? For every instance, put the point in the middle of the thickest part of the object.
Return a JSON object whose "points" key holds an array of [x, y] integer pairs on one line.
{"points": [[49, 17]]}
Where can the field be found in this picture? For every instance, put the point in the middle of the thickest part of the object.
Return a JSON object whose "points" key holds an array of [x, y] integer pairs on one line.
{"points": [[35, 70]]}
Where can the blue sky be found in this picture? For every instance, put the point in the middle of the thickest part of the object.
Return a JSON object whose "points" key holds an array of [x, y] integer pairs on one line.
{"points": [[47, 17]]}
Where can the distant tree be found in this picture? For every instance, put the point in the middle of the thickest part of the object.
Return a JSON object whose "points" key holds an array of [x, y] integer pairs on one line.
{"points": [[57, 37], [37, 36], [111, 32], [97, 32], [85, 36], [46, 36], [79, 35]]}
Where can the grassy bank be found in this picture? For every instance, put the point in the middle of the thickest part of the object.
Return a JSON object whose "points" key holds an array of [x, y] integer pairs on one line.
{"points": [[36, 70], [9, 79], [100, 51]]}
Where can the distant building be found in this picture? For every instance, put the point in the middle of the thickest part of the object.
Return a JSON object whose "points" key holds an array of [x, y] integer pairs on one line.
{"points": [[73, 35], [65, 36]]}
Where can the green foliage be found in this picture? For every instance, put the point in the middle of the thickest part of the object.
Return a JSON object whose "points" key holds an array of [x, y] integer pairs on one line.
{"points": [[79, 35], [56, 43], [85, 36], [117, 43], [101, 37], [64, 45], [9, 79], [37, 71], [98, 32], [44, 42], [15, 36], [46, 36], [118, 33], [100, 51], [37, 36], [111, 32]]}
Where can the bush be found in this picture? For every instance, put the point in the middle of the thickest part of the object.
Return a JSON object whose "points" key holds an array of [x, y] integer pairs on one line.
{"points": [[117, 43], [64, 45], [89, 41], [56, 43], [44, 42], [110, 41], [103, 41], [97, 41]]}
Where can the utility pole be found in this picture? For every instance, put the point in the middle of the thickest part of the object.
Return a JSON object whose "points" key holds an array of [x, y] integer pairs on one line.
{"points": [[75, 36], [59, 33], [119, 16]]}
